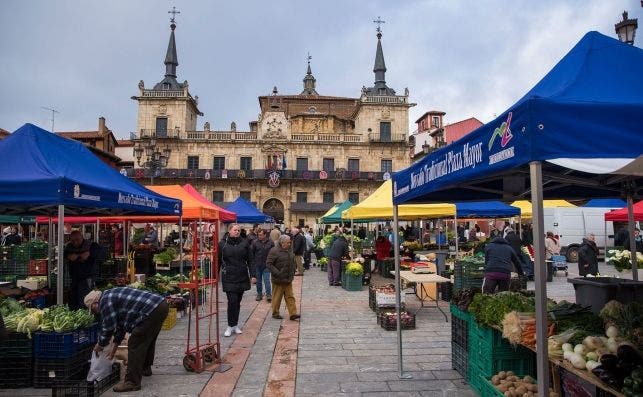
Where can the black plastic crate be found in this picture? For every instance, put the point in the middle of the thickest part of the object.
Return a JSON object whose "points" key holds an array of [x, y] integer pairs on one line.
{"points": [[389, 323], [50, 372], [16, 372], [16, 345], [459, 359], [74, 388], [446, 291], [459, 331], [14, 267]]}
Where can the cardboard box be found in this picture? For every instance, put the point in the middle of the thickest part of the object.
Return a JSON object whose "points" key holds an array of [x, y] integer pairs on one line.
{"points": [[31, 284]]}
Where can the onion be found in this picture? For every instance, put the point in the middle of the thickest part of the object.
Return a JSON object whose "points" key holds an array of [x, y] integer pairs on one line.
{"points": [[592, 356], [580, 349], [591, 364], [612, 332], [578, 361], [567, 347]]}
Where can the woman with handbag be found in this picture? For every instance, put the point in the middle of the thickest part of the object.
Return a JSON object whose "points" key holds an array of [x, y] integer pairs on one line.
{"points": [[237, 271]]}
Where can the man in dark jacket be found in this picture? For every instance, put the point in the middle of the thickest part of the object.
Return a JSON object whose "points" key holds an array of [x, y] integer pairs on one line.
{"points": [[498, 258], [298, 248], [338, 251], [516, 244], [638, 241], [260, 247], [83, 258], [281, 262], [237, 269], [588, 256]]}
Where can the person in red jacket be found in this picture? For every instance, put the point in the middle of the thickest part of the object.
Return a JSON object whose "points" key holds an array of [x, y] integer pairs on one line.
{"points": [[382, 248]]}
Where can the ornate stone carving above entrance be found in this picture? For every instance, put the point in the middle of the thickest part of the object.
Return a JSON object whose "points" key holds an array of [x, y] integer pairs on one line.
{"points": [[274, 125], [162, 109]]}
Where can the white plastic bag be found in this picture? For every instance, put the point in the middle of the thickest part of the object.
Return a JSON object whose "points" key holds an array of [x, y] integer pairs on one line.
{"points": [[100, 367]]}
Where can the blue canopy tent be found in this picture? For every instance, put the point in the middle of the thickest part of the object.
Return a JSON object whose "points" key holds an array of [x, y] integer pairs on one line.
{"points": [[606, 203], [485, 209], [576, 134], [43, 173], [247, 212]]}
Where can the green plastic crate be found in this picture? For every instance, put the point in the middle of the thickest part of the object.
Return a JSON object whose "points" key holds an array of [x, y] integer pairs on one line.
{"points": [[489, 390], [475, 377], [461, 314], [351, 283]]}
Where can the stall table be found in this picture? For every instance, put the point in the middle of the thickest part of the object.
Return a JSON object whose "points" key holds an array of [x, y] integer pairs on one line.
{"points": [[425, 278]]}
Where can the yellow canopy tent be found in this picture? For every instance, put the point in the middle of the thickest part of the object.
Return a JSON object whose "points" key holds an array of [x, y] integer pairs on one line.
{"points": [[379, 206], [525, 206]]}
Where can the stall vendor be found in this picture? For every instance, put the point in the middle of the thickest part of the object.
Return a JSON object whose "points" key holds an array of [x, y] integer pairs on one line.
{"points": [[83, 257], [151, 237]]}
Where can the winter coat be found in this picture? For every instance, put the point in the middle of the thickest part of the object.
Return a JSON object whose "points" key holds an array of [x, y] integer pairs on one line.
{"points": [[260, 251], [638, 243], [235, 264], [274, 235], [499, 256], [382, 248], [80, 270], [551, 247], [587, 258], [339, 249], [298, 244], [281, 263]]}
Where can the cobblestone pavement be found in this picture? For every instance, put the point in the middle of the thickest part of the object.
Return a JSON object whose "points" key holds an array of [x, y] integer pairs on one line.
{"points": [[338, 348]]}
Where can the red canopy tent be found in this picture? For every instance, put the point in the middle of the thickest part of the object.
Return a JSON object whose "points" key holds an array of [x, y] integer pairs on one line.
{"points": [[621, 215]]}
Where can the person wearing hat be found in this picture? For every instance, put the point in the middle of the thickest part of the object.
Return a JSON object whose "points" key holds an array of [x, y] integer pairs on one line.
{"points": [[141, 313]]}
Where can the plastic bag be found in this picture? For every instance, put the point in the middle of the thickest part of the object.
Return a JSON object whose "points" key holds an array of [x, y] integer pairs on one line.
{"points": [[100, 367]]}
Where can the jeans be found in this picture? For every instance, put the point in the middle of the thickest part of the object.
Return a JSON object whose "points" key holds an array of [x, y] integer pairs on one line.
{"points": [[263, 273], [334, 272], [234, 306], [489, 285], [142, 342]]}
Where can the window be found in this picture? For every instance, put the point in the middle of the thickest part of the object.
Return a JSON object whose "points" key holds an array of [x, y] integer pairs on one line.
{"points": [[166, 86], [217, 196], [302, 222], [302, 197], [218, 163], [161, 127], [353, 197], [328, 198], [353, 165], [385, 131], [329, 165], [246, 195], [387, 165], [245, 163], [302, 164], [436, 121], [193, 162]]}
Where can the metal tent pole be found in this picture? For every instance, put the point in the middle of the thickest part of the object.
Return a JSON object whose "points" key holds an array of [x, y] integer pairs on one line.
{"points": [[398, 295], [97, 230], [181, 245], [60, 279], [455, 228], [630, 229], [540, 278]]}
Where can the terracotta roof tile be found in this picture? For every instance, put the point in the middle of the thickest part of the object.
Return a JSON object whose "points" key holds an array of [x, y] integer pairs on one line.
{"points": [[79, 134], [455, 131]]}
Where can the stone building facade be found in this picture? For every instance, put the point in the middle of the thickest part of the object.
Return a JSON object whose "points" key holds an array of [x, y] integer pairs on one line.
{"points": [[304, 153]]}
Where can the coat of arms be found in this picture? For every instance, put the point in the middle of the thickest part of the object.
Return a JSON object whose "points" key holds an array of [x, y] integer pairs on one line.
{"points": [[273, 179]]}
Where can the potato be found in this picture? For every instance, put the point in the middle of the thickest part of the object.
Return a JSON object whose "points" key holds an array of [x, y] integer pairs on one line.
{"points": [[495, 380], [508, 394], [502, 388], [521, 390], [528, 379], [510, 373], [502, 374]]}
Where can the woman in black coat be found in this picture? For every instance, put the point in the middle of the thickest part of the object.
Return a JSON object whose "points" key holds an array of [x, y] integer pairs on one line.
{"points": [[588, 256], [236, 269]]}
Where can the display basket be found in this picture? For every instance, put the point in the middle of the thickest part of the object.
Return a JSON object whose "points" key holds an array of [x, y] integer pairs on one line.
{"points": [[16, 344], [16, 372], [37, 250], [13, 267], [83, 388], [49, 372], [389, 322], [351, 283], [170, 320], [64, 344]]}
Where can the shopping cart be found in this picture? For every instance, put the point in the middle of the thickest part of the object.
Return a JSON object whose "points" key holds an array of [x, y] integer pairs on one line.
{"points": [[559, 263]]}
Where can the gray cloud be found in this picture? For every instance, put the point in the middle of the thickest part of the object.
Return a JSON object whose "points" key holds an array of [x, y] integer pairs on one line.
{"points": [[466, 58]]}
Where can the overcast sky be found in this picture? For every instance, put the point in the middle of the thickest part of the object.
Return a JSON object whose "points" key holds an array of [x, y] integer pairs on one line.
{"points": [[467, 58]]}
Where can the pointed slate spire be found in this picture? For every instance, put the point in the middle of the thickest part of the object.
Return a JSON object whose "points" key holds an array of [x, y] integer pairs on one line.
{"points": [[309, 81], [380, 66], [171, 60]]}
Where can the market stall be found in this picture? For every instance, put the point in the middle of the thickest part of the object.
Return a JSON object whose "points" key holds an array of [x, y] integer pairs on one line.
{"points": [[526, 207], [247, 212], [539, 148], [225, 216], [335, 216], [605, 203]]}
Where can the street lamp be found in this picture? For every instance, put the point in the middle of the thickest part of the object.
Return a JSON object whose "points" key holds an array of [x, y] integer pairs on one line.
{"points": [[626, 29], [151, 158]]}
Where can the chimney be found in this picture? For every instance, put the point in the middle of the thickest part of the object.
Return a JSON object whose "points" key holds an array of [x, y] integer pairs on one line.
{"points": [[101, 124]]}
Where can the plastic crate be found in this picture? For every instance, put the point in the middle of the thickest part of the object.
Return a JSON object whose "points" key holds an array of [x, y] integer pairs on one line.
{"points": [[459, 331], [53, 279], [489, 390], [39, 303], [71, 388], [63, 344], [170, 320], [459, 359], [446, 291], [351, 283], [597, 291], [381, 313], [16, 372], [474, 376], [467, 274], [13, 267], [20, 253], [16, 344], [389, 323], [50, 372], [38, 267], [489, 338]]}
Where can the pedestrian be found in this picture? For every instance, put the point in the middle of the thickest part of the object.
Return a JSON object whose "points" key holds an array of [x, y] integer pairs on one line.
{"points": [[588, 256], [310, 246], [281, 262], [638, 242], [252, 234], [151, 237], [275, 233], [516, 245], [473, 232], [498, 260], [141, 313], [338, 251], [260, 247], [237, 271], [298, 249], [552, 247], [118, 240], [83, 258], [12, 237]]}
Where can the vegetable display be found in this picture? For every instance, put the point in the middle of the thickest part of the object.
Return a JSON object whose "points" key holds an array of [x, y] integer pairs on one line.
{"points": [[60, 319], [25, 321], [622, 260], [490, 310], [354, 269], [511, 385]]}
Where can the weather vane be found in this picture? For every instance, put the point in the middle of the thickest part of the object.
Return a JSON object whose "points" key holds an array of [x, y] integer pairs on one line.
{"points": [[173, 12], [379, 23], [308, 58]]}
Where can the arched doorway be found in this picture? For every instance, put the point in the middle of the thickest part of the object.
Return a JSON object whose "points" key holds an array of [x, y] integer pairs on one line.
{"points": [[274, 208]]}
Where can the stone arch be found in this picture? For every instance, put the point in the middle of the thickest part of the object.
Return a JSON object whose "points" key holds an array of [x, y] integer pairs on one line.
{"points": [[275, 208]]}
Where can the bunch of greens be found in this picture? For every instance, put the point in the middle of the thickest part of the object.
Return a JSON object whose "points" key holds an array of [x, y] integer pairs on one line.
{"points": [[567, 315], [628, 319], [25, 321], [622, 259], [354, 269], [60, 319], [490, 310], [165, 257], [9, 306]]}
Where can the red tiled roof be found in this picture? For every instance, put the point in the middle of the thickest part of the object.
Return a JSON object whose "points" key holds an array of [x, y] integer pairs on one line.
{"points": [[125, 142], [455, 131], [439, 112], [79, 134], [4, 133]]}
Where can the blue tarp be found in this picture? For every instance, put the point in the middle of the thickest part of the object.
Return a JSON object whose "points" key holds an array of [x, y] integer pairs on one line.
{"points": [[583, 119], [606, 203], [247, 212], [485, 209], [41, 170]]}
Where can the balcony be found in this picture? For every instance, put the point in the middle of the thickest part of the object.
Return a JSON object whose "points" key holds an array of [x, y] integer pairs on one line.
{"points": [[387, 99], [310, 207], [293, 175], [232, 136], [387, 138]]}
